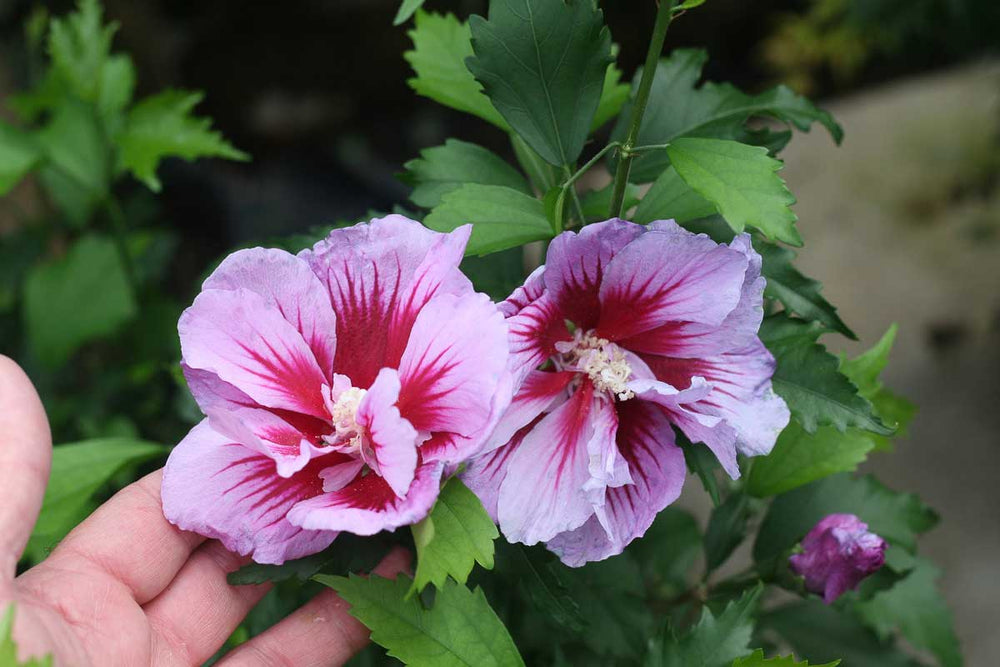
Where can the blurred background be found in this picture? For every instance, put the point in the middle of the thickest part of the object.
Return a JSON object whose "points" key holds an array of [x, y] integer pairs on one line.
{"points": [[901, 223]]}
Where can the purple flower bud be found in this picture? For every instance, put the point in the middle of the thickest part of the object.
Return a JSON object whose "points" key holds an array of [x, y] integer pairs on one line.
{"points": [[837, 554]]}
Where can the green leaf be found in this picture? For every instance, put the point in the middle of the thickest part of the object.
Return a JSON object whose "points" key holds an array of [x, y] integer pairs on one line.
{"points": [[501, 217], [8, 648], [614, 94], [688, 4], [799, 458], [162, 126], [348, 553], [540, 580], [807, 377], [740, 180], [18, 156], [441, 169], [459, 630], [715, 641], [79, 470], [117, 89], [897, 517], [799, 294], [670, 198], [76, 299], [916, 608], [406, 9], [457, 534], [726, 529], [497, 275], [701, 461], [669, 549], [440, 46], [757, 659], [79, 45], [720, 111], [543, 66], [541, 174], [597, 203], [822, 633]]}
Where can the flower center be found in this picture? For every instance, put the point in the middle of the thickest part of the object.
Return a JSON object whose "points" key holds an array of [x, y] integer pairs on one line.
{"points": [[344, 418], [603, 362]]}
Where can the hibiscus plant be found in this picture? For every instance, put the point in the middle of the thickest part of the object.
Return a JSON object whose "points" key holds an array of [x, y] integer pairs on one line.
{"points": [[517, 378]]}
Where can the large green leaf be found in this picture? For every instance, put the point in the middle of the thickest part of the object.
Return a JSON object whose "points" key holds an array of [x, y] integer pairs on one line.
{"points": [[799, 294], [916, 608], [441, 169], [76, 299], [799, 458], [457, 534], [18, 155], [543, 66], [669, 549], [823, 633], [807, 377], [741, 182], [757, 659], [714, 642], [678, 109], [541, 581], [162, 126], [8, 648], [726, 529], [440, 46], [459, 630], [501, 217], [78, 471], [670, 198], [898, 517]]}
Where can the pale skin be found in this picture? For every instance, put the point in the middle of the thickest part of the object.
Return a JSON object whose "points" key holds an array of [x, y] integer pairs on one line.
{"points": [[128, 588]]}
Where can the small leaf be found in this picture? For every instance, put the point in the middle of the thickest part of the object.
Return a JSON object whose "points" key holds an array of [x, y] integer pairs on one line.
{"points": [[79, 46], [459, 630], [406, 10], [799, 294], [441, 169], [18, 156], [8, 648], [614, 94], [539, 579], [162, 126], [441, 43], [715, 641], [741, 181], [726, 529], [543, 66], [807, 377], [701, 461], [915, 606], [76, 299], [669, 549], [501, 217], [670, 198], [757, 659], [542, 175], [79, 470], [597, 203], [457, 534]]}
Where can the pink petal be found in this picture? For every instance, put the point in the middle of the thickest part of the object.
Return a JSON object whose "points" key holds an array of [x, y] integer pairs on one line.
{"points": [[453, 365], [533, 287], [452, 448], [646, 441], [368, 504], [575, 267], [534, 332], [538, 393], [287, 283], [669, 276], [393, 439], [367, 270], [247, 343], [543, 493], [485, 473], [222, 490]]}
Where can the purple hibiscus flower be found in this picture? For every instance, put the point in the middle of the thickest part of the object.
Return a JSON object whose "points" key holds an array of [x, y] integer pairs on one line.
{"points": [[837, 554], [337, 385], [625, 331]]}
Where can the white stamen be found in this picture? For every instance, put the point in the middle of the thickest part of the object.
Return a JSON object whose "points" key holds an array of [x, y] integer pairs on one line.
{"points": [[603, 361], [344, 416]]}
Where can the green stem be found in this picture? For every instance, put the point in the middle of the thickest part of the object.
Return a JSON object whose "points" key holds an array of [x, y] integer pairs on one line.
{"points": [[591, 162], [663, 15], [120, 229], [571, 191], [648, 148]]}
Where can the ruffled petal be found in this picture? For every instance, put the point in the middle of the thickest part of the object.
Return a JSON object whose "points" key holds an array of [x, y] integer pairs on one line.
{"points": [[669, 276], [486, 472], [453, 366], [534, 332], [220, 489], [368, 504], [287, 283], [646, 441], [248, 344], [539, 393], [533, 287], [394, 441]]}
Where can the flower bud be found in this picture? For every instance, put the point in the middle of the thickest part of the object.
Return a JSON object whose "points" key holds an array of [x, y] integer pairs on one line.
{"points": [[837, 554]]}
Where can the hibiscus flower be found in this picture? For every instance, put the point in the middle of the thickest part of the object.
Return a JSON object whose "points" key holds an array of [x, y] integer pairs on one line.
{"points": [[337, 385], [625, 332]]}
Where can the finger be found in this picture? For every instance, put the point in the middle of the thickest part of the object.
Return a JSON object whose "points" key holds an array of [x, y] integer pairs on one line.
{"points": [[25, 458], [128, 539], [319, 634], [198, 611]]}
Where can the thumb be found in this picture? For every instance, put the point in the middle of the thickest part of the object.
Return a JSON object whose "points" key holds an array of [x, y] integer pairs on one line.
{"points": [[25, 458]]}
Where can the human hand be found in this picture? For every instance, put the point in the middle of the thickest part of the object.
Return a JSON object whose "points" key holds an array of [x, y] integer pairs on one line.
{"points": [[128, 588]]}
